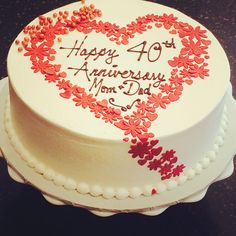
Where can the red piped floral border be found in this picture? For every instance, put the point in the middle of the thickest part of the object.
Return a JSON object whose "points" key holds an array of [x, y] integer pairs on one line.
{"points": [[188, 66]]}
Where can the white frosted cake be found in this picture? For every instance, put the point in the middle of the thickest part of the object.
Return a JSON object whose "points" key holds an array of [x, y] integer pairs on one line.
{"points": [[118, 100]]}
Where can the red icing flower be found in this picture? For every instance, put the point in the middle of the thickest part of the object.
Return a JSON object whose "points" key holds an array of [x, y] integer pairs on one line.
{"points": [[113, 30], [143, 106], [180, 26], [152, 18], [154, 165], [145, 160], [84, 26], [97, 109], [178, 170], [176, 80], [131, 127], [51, 31], [166, 88], [168, 20], [199, 71], [185, 73], [84, 100], [192, 32], [37, 51], [139, 149], [181, 61], [158, 100], [111, 115], [166, 168], [64, 84], [42, 66], [169, 156], [77, 90], [100, 27], [52, 78], [166, 176], [136, 27], [68, 88], [143, 20], [138, 115], [192, 48]]}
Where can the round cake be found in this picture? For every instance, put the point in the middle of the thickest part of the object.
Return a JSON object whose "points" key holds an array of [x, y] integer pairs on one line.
{"points": [[117, 99]]}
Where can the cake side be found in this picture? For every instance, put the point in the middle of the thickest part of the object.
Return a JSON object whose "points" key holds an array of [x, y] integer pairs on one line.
{"points": [[102, 168]]}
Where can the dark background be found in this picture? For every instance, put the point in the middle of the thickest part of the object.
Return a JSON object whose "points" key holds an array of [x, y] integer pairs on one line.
{"points": [[23, 211]]}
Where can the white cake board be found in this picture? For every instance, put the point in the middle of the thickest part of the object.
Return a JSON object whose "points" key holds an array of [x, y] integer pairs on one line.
{"points": [[192, 191]]}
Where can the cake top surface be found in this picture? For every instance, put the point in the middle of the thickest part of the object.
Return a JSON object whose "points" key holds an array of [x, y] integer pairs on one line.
{"points": [[139, 69]]}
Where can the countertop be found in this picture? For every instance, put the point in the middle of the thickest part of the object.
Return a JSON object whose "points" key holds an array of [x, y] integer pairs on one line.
{"points": [[23, 211]]}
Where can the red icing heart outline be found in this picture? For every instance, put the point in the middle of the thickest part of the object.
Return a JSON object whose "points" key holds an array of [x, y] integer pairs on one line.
{"points": [[187, 66]]}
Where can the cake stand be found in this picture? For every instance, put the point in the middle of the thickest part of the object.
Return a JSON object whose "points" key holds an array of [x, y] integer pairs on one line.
{"points": [[192, 191]]}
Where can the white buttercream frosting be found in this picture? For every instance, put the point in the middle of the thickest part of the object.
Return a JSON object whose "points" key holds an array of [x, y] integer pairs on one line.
{"points": [[108, 193], [161, 187], [40, 168], [66, 144], [70, 184], [96, 190], [198, 168], [135, 192], [171, 184], [49, 174], [182, 179], [190, 173], [59, 180], [83, 188]]}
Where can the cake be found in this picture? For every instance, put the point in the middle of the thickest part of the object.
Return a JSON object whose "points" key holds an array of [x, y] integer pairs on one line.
{"points": [[117, 100]]}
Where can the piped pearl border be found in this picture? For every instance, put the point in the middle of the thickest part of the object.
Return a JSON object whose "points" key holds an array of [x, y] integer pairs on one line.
{"points": [[110, 192]]}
